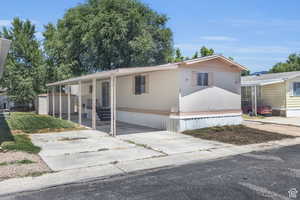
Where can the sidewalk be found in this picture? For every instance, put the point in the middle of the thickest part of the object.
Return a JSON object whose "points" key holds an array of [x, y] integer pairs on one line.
{"points": [[289, 121], [122, 168]]}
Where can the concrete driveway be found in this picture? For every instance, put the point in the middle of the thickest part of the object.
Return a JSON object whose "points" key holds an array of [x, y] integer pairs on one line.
{"points": [[276, 128], [78, 149], [86, 148], [171, 143]]}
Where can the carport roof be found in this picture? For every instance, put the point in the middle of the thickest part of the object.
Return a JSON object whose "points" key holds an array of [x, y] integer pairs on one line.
{"points": [[136, 70], [268, 79]]}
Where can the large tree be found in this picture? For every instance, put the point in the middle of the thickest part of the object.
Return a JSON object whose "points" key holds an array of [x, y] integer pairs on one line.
{"points": [[24, 73], [292, 64], [107, 34]]}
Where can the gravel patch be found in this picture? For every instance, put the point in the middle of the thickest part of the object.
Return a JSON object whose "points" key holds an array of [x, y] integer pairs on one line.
{"points": [[19, 170]]}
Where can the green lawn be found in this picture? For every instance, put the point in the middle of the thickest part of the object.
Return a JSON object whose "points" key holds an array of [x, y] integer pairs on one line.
{"points": [[21, 142], [32, 123], [22, 124]]}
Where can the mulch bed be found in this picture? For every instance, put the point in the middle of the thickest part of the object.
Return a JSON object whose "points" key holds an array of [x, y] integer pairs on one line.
{"points": [[238, 135]]}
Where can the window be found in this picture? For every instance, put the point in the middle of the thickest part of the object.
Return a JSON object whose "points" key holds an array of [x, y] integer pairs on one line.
{"points": [[140, 84], [90, 89], [202, 79], [296, 89]]}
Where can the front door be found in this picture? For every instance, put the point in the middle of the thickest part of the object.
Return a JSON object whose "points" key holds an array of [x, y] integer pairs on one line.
{"points": [[105, 94]]}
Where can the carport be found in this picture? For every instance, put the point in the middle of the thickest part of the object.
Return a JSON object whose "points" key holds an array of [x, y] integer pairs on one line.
{"points": [[251, 93], [84, 107]]}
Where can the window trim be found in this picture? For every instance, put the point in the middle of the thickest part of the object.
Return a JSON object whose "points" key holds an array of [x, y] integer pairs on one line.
{"points": [[144, 82], [207, 80], [294, 94]]}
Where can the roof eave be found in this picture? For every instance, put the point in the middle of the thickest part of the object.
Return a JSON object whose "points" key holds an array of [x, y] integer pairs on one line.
{"points": [[241, 67], [262, 83], [116, 72]]}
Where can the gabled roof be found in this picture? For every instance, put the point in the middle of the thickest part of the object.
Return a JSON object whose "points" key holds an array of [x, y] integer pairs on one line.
{"points": [[267, 79], [136, 70]]}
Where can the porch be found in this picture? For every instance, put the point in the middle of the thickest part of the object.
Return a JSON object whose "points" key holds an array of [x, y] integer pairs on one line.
{"points": [[102, 120], [91, 100]]}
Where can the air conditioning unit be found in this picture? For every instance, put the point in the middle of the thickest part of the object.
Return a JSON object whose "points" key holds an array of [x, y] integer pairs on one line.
{"points": [[4, 46]]}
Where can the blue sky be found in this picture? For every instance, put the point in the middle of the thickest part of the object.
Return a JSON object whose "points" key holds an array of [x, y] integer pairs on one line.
{"points": [[255, 33]]}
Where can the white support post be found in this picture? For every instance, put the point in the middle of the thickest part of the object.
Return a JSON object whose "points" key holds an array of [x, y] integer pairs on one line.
{"points": [[80, 104], [69, 102], [94, 105], [60, 103], [48, 101], [113, 105], [254, 100], [53, 101]]}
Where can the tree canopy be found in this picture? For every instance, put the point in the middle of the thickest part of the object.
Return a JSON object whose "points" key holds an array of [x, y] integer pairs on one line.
{"points": [[106, 34], [292, 64], [206, 52], [24, 73]]}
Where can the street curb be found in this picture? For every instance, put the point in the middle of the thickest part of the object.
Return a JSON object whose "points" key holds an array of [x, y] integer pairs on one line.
{"points": [[10, 186]]}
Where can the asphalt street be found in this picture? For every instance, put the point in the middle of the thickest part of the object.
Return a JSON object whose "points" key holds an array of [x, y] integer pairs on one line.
{"points": [[273, 174]]}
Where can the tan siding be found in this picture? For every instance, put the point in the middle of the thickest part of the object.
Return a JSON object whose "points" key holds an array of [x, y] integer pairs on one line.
{"points": [[292, 101], [274, 95], [163, 92]]}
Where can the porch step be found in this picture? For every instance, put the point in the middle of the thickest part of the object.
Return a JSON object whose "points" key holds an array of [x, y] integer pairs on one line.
{"points": [[104, 114]]}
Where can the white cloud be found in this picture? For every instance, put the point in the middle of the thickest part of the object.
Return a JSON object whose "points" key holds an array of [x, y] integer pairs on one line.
{"points": [[261, 49], [270, 23], [4, 22], [218, 38], [242, 50]]}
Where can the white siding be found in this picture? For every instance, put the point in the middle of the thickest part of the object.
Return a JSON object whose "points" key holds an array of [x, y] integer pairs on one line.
{"points": [[223, 94]]}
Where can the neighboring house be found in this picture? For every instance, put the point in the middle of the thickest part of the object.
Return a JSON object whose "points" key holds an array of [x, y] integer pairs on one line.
{"points": [[4, 101], [191, 94], [41, 105], [281, 91], [4, 46]]}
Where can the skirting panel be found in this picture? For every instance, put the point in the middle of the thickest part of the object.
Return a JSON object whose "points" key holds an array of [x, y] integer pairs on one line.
{"points": [[177, 125], [205, 122], [143, 119]]}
